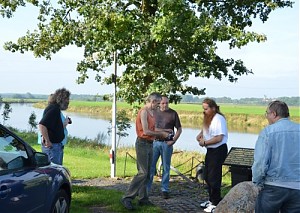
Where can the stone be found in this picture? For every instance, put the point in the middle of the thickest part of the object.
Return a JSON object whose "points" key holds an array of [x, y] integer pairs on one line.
{"points": [[241, 198]]}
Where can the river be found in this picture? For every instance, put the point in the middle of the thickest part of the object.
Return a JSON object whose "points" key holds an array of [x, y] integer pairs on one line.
{"points": [[88, 126]]}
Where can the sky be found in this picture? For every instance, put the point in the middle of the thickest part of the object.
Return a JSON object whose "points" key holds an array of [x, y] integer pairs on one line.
{"points": [[275, 63]]}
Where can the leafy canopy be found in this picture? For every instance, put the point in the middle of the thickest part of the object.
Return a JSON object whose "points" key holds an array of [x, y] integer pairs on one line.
{"points": [[161, 43]]}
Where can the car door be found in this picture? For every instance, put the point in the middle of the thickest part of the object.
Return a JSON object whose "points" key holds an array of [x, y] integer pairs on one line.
{"points": [[22, 186]]}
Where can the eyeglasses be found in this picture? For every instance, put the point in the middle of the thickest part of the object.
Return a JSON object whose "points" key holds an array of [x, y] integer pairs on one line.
{"points": [[267, 113]]}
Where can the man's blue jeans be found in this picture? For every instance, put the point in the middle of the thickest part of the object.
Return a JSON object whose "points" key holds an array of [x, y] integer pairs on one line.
{"points": [[161, 148], [55, 153], [274, 199]]}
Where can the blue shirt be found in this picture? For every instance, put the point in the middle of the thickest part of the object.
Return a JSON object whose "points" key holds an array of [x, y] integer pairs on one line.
{"points": [[277, 155]]}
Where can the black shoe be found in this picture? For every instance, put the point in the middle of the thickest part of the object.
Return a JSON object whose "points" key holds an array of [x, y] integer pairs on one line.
{"points": [[145, 203], [127, 204], [165, 195]]}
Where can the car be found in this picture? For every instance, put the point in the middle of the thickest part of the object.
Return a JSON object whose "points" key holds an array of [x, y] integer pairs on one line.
{"points": [[29, 182]]}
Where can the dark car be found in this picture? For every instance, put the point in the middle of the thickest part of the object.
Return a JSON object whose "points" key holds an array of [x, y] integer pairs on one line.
{"points": [[29, 182]]}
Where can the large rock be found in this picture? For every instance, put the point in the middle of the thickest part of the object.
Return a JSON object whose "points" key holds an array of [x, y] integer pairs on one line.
{"points": [[241, 198]]}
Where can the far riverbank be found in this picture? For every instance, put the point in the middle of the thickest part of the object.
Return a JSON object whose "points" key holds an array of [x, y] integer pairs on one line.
{"points": [[240, 118]]}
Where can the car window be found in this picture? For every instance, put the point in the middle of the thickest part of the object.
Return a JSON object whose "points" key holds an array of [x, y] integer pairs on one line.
{"points": [[13, 154]]}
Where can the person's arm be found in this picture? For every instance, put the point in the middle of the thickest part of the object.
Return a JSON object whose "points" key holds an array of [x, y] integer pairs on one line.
{"points": [[45, 136], [147, 131], [176, 136], [199, 137], [214, 140], [260, 164]]}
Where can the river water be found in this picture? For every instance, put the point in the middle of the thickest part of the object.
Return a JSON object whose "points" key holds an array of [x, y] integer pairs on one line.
{"points": [[88, 126]]}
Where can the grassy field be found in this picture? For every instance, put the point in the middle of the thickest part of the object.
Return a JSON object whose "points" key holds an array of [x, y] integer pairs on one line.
{"points": [[197, 108]]}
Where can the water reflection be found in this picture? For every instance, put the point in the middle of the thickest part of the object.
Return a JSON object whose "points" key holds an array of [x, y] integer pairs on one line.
{"points": [[86, 125]]}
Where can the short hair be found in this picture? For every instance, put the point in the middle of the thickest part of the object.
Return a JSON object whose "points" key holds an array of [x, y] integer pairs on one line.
{"points": [[280, 108], [153, 96]]}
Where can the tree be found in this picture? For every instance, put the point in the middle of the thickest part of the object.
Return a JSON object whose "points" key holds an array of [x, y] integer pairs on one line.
{"points": [[5, 114], [122, 124], [32, 121], [161, 43]]}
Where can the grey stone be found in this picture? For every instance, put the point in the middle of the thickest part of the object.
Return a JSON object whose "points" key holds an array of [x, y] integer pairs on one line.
{"points": [[241, 198]]}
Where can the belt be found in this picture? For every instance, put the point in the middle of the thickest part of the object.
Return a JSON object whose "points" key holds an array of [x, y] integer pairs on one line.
{"points": [[145, 140]]}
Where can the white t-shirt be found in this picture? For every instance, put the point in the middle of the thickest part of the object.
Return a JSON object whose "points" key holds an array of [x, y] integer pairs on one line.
{"points": [[218, 126]]}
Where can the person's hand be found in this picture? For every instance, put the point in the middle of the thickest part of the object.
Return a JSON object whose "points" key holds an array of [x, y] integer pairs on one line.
{"points": [[165, 134], [201, 142], [199, 137], [170, 143], [47, 143]]}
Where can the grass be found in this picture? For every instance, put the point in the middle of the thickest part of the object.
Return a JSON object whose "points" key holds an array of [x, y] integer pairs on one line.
{"points": [[196, 108], [86, 197]]}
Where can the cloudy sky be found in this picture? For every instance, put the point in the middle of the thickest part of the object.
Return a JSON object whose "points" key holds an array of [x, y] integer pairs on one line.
{"points": [[275, 63]]}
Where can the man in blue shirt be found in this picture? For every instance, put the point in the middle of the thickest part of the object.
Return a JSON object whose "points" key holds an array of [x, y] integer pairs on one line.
{"points": [[276, 167]]}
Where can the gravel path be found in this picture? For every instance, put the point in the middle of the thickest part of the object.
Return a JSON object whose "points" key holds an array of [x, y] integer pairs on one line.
{"points": [[185, 196]]}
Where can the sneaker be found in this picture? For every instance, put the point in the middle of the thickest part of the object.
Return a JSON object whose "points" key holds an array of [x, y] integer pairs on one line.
{"points": [[165, 195], [145, 203], [205, 204], [127, 204], [210, 208]]}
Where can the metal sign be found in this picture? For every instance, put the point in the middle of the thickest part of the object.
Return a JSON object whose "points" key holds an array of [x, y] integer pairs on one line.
{"points": [[238, 156]]}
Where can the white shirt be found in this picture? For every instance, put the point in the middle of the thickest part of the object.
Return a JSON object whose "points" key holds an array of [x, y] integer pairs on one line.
{"points": [[217, 127]]}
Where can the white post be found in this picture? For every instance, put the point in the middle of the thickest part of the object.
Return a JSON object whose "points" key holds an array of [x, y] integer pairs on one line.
{"points": [[113, 151]]}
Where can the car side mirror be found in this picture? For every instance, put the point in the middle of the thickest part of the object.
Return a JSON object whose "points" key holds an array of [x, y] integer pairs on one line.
{"points": [[41, 159]]}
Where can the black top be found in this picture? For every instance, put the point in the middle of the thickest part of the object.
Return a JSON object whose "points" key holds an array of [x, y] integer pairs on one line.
{"points": [[52, 120], [167, 119]]}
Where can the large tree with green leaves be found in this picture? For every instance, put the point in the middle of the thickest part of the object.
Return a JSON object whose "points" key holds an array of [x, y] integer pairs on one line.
{"points": [[161, 43]]}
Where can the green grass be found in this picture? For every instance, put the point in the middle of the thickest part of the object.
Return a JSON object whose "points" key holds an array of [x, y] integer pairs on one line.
{"points": [[86, 197], [196, 108], [225, 108]]}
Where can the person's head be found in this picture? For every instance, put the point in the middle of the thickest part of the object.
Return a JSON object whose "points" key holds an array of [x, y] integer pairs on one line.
{"points": [[277, 110], [153, 100], [210, 108], [164, 103], [62, 98], [51, 99]]}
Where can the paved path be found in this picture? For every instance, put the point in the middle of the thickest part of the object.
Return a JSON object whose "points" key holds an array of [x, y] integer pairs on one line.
{"points": [[185, 196]]}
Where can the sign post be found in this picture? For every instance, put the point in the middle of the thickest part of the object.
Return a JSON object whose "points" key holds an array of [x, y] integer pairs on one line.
{"points": [[113, 151]]}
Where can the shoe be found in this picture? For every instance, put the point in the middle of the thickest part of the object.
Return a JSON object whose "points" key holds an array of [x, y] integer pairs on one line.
{"points": [[210, 208], [205, 204], [145, 203], [127, 204], [165, 195]]}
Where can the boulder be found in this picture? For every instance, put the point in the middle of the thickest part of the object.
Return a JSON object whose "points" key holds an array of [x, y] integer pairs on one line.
{"points": [[241, 198]]}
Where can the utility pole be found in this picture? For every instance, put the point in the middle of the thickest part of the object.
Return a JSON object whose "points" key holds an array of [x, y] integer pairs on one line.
{"points": [[113, 151]]}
